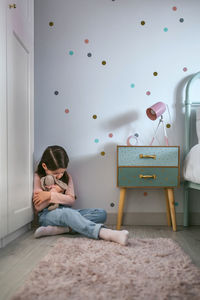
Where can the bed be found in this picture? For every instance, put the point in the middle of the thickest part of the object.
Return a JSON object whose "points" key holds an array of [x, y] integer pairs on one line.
{"points": [[191, 166]]}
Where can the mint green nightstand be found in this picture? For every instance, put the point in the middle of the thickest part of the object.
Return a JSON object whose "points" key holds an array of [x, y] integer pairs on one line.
{"points": [[149, 167]]}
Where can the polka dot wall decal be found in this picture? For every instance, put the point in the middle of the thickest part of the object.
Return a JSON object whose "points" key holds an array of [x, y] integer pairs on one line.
{"points": [[94, 116], [165, 29], [89, 54], [174, 8], [86, 41], [103, 62], [132, 85], [181, 20], [110, 135], [102, 153], [148, 93], [185, 69], [155, 73], [112, 204], [71, 52], [56, 93], [51, 24], [142, 23], [66, 110], [168, 125], [96, 140], [176, 203], [145, 194]]}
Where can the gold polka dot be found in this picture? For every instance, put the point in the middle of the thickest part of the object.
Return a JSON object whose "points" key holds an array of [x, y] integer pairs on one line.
{"points": [[155, 73], [103, 62], [51, 23], [168, 125], [103, 153], [142, 22], [94, 116]]}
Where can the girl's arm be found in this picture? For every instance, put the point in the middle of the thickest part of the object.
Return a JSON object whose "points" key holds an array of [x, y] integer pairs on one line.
{"points": [[39, 195], [68, 198], [42, 199]]}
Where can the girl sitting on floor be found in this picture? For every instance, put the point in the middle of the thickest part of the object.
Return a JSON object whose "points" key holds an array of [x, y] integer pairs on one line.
{"points": [[89, 222]]}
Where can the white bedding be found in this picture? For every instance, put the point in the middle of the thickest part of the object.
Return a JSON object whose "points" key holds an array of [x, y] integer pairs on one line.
{"points": [[191, 167], [198, 123]]}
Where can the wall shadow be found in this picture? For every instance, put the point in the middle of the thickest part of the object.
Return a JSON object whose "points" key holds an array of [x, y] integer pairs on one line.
{"points": [[121, 120], [95, 178]]}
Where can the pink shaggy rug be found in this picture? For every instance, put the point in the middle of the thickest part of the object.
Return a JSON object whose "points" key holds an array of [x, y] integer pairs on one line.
{"points": [[85, 269]]}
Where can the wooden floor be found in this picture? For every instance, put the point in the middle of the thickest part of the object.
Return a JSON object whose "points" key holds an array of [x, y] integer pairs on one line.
{"points": [[19, 257]]}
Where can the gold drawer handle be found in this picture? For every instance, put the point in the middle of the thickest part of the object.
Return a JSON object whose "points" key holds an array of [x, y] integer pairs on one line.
{"points": [[12, 6], [147, 176], [147, 156]]}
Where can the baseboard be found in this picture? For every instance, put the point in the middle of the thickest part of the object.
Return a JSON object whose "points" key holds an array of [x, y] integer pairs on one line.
{"points": [[12, 236], [150, 218]]}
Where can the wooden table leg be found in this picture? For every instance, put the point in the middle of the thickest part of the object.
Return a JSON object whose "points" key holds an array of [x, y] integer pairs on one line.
{"points": [[121, 207], [172, 208], [168, 210]]}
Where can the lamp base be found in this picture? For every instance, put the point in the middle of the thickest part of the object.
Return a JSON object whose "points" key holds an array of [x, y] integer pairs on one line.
{"points": [[161, 121]]}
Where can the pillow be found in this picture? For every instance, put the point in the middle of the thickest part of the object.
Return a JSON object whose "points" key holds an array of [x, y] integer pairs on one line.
{"points": [[191, 167]]}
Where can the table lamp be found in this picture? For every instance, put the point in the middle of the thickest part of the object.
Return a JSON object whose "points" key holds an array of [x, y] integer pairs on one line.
{"points": [[153, 113]]}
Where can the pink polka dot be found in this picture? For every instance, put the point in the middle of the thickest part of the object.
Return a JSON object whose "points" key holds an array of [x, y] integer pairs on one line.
{"points": [[185, 69], [66, 110], [148, 93], [174, 8], [110, 135]]}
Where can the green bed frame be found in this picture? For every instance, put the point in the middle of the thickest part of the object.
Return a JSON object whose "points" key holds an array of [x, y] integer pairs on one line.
{"points": [[188, 184]]}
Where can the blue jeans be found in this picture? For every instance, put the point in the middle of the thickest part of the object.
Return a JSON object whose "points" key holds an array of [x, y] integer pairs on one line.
{"points": [[85, 221]]}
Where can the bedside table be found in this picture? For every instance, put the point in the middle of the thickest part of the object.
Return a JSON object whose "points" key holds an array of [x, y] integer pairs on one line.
{"points": [[148, 167]]}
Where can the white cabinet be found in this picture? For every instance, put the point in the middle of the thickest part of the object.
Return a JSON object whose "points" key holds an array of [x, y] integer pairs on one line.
{"points": [[16, 115]]}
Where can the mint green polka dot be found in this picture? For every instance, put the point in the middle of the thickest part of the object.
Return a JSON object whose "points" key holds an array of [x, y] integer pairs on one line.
{"points": [[132, 85], [96, 140], [71, 52], [165, 29]]}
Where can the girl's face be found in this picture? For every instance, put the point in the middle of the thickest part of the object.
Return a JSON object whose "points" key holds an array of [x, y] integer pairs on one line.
{"points": [[56, 173]]}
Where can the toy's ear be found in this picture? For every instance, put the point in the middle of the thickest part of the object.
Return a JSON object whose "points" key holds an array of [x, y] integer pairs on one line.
{"points": [[42, 180]]}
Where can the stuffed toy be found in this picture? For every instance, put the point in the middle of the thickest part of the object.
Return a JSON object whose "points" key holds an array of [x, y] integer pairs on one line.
{"points": [[47, 183]]}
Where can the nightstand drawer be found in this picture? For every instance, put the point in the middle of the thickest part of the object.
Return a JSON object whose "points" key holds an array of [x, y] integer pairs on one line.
{"points": [[147, 177], [148, 156]]}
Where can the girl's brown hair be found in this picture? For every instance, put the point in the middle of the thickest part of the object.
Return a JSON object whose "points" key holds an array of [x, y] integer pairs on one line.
{"points": [[55, 157]]}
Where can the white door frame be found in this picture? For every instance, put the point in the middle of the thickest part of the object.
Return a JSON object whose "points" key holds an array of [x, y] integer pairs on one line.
{"points": [[3, 122]]}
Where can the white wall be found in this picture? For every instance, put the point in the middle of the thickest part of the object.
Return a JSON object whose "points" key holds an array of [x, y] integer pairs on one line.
{"points": [[133, 52]]}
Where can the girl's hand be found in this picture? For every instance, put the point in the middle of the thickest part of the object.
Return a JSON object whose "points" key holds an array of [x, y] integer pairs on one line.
{"points": [[58, 189], [40, 197]]}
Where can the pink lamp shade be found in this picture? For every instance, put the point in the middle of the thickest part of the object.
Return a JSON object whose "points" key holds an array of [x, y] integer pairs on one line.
{"points": [[156, 110]]}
